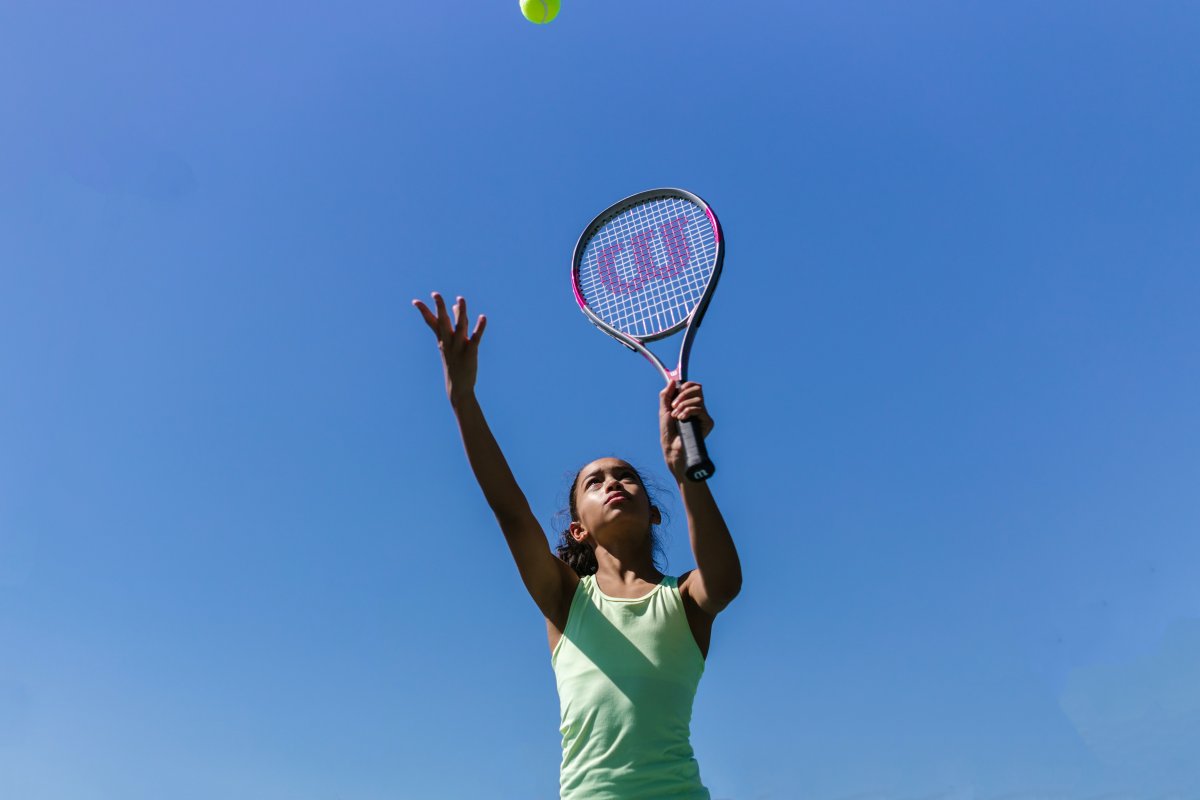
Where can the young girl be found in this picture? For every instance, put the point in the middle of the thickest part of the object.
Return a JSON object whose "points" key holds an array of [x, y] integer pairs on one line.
{"points": [[627, 643]]}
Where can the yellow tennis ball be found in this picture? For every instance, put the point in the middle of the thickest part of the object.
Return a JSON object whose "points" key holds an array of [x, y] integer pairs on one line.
{"points": [[539, 11]]}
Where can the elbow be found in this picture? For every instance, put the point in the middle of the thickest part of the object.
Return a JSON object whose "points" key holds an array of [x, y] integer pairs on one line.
{"points": [[735, 580], [726, 593], [735, 592]]}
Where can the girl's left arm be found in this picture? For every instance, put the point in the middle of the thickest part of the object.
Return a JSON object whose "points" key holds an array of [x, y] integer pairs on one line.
{"points": [[717, 578]]}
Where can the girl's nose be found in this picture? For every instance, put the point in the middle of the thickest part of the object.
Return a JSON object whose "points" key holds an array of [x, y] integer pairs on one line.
{"points": [[612, 483]]}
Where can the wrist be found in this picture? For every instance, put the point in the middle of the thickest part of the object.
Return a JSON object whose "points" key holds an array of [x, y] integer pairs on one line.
{"points": [[688, 489], [460, 398]]}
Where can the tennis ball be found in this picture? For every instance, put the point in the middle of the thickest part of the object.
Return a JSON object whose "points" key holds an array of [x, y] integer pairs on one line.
{"points": [[539, 11]]}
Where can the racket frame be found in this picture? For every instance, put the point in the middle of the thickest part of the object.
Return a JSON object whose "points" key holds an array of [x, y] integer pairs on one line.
{"points": [[704, 470]]}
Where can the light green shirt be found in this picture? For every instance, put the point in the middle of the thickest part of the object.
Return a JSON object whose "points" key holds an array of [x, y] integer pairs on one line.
{"points": [[627, 672]]}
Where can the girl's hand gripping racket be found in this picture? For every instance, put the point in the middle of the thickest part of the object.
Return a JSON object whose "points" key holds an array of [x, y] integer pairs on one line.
{"points": [[646, 268]]}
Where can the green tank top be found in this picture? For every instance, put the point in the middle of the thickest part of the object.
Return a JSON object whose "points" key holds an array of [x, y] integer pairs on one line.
{"points": [[627, 672]]}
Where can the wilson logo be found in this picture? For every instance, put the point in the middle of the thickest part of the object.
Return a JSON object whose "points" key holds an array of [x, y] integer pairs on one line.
{"points": [[674, 241]]}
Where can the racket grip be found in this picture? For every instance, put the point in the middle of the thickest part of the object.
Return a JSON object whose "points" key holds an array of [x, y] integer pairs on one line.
{"points": [[699, 465]]}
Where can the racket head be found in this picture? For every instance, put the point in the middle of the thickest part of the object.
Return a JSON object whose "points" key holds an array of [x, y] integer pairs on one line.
{"points": [[647, 265]]}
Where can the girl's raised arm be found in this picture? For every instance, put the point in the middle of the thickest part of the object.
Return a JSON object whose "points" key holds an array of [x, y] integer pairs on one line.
{"points": [[545, 576], [717, 578]]}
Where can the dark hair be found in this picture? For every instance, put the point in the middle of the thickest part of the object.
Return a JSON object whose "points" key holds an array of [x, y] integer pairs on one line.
{"points": [[580, 556]]}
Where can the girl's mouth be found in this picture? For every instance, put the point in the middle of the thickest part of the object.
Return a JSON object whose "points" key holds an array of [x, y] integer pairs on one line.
{"points": [[615, 498]]}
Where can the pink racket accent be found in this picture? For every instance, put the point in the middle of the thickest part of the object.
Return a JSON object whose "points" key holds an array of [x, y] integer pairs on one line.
{"points": [[713, 221]]}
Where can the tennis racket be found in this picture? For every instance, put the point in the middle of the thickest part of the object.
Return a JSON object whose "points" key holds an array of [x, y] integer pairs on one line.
{"points": [[646, 268]]}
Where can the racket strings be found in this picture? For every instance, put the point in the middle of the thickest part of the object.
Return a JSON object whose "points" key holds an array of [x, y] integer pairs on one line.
{"points": [[646, 269]]}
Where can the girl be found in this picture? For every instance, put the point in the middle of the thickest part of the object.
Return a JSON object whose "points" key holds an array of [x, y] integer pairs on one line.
{"points": [[627, 643]]}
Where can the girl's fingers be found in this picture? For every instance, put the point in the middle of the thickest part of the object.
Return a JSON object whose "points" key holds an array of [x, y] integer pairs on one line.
{"points": [[427, 315], [460, 317], [690, 408], [443, 318], [479, 326], [687, 402], [689, 391]]}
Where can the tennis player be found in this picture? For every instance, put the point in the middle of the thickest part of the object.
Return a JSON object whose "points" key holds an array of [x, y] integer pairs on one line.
{"points": [[627, 643]]}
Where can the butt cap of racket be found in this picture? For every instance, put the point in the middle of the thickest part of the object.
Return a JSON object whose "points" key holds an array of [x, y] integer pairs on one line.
{"points": [[699, 465]]}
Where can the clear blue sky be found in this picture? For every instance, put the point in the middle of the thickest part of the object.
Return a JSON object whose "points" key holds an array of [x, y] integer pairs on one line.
{"points": [[954, 362]]}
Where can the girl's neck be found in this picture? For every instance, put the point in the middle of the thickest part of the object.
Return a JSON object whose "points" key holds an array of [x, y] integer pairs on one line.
{"points": [[614, 572]]}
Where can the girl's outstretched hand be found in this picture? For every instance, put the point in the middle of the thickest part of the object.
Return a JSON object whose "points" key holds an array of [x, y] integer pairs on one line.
{"points": [[679, 402], [460, 352]]}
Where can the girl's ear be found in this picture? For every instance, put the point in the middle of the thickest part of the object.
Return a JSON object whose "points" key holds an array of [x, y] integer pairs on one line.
{"points": [[655, 516], [578, 532]]}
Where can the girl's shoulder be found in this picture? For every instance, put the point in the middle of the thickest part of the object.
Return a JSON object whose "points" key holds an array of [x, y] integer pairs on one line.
{"points": [[689, 586]]}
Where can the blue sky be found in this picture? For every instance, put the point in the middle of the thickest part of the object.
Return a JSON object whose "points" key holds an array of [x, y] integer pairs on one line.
{"points": [[953, 363]]}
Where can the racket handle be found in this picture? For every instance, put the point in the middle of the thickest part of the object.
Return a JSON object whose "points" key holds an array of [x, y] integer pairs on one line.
{"points": [[699, 465]]}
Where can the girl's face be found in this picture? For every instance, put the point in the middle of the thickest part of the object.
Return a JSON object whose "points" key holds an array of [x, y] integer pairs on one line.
{"points": [[612, 502]]}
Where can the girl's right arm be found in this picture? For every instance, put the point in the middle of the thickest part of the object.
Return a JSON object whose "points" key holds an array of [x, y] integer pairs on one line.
{"points": [[546, 577]]}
